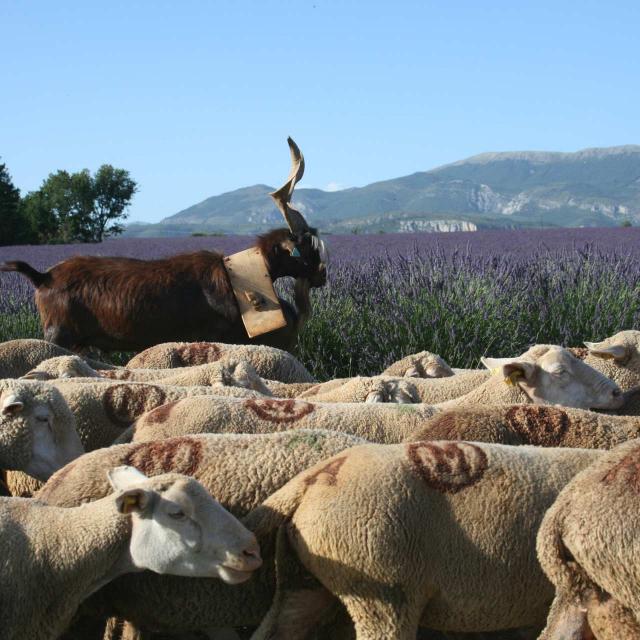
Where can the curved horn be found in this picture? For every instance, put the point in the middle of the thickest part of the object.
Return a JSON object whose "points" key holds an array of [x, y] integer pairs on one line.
{"points": [[282, 197]]}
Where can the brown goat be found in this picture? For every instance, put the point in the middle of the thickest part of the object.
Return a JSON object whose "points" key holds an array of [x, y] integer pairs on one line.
{"points": [[128, 304]]}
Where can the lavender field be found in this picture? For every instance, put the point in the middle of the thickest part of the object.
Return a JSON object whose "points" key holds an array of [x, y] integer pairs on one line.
{"points": [[462, 295]]}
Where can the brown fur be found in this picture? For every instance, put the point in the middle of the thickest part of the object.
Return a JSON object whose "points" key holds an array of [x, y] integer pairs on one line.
{"points": [[130, 304]]}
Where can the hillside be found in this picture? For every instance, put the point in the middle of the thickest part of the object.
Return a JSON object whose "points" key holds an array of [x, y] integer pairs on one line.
{"points": [[593, 187]]}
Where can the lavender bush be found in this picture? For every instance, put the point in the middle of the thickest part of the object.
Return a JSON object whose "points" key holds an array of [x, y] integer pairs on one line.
{"points": [[461, 295]]}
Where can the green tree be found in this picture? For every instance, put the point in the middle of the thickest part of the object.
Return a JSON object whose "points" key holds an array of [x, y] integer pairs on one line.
{"points": [[39, 218], [113, 190], [66, 203], [79, 207], [12, 227]]}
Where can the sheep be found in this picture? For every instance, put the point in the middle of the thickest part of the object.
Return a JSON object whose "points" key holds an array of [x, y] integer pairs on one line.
{"points": [[389, 423], [53, 557], [618, 357], [240, 471], [130, 304], [72, 366], [17, 357], [542, 426], [103, 410], [226, 372], [99, 411], [588, 548], [545, 374], [580, 385], [390, 389], [269, 362], [419, 365], [37, 430], [456, 521]]}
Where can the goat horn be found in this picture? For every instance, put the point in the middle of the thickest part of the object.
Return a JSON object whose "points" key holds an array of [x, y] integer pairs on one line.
{"points": [[282, 197]]}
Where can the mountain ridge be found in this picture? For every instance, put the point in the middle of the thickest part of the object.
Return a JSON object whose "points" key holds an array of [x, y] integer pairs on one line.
{"points": [[596, 186]]}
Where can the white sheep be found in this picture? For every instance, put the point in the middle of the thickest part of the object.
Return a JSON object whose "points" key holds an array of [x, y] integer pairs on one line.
{"points": [[103, 410], [588, 546], [383, 423], [37, 430], [435, 534], [419, 365], [539, 425], [17, 357], [240, 471], [270, 363], [53, 558], [226, 372], [554, 376]]}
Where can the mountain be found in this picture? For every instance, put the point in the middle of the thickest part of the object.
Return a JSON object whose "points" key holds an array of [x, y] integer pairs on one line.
{"points": [[593, 187]]}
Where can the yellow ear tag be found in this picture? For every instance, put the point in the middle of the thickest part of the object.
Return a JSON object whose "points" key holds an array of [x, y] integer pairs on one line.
{"points": [[513, 378], [605, 356], [129, 503]]}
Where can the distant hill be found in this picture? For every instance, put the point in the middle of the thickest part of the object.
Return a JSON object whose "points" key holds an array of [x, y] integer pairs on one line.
{"points": [[593, 187]]}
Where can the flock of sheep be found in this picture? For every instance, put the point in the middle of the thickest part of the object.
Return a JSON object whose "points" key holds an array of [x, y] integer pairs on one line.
{"points": [[425, 501]]}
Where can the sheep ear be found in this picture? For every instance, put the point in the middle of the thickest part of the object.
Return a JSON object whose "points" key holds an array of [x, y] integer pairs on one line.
{"points": [[37, 375], [516, 371], [613, 352], [12, 405], [495, 363], [124, 478], [137, 500]]}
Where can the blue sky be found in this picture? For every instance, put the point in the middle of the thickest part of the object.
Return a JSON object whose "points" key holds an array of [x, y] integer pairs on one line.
{"points": [[197, 98]]}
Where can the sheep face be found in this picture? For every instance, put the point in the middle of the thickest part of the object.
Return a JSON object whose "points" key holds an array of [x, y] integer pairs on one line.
{"points": [[178, 528], [61, 367], [397, 391], [432, 366], [37, 431], [553, 375], [242, 374]]}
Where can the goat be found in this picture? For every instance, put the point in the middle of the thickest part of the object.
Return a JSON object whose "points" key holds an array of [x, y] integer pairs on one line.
{"points": [[129, 304]]}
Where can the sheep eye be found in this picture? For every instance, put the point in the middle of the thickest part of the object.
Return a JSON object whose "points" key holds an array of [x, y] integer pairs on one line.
{"points": [[177, 515]]}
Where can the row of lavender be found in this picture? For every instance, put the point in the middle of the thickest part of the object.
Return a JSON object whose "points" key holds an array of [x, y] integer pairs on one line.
{"points": [[461, 295]]}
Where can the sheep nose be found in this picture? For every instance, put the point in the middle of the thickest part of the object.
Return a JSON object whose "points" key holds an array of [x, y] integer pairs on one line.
{"points": [[251, 557]]}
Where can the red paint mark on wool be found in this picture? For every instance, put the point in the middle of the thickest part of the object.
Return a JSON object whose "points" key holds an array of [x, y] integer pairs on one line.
{"points": [[176, 455], [280, 410], [330, 470], [626, 471], [538, 425], [123, 403], [197, 353], [448, 467]]}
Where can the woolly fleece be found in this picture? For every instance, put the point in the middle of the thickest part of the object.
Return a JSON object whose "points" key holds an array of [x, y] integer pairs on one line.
{"points": [[269, 362], [240, 471]]}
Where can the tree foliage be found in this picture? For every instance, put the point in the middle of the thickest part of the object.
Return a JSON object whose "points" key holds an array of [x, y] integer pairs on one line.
{"points": [[77, 207], [12, 227]]}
